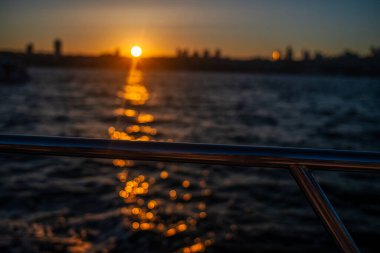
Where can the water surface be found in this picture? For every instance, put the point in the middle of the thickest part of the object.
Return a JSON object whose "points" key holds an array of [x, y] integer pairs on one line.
{"points": [[56, 204]]}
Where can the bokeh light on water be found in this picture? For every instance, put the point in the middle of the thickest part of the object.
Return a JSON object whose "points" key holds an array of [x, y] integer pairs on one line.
{"points": [[174, 214], [95, 205]]}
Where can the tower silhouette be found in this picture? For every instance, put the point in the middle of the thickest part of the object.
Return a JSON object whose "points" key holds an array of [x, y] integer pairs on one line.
{"points": [[57, 47]]}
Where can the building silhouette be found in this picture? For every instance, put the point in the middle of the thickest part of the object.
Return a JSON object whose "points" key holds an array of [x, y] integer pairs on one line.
{"points": [[318, 56], [306, 55], [375, 52], [182, 53], [218, 53], [289, 53], [348, 62], [117, 52], [29, 49], [57, 47], [206, 54], [195, 54], [185, 53], [179, 53]]}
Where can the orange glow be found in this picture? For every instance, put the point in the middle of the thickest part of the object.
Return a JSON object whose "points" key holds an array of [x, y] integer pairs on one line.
{"points": [[164, 174], [170, 232], [145, 226], [186, 196], [149, 215], [136, 94], [134, 187], [181, 227], [119, 163], [276, 55], [111, 130], [144, 213], [133, 129], [197, 247], [186, 183], [202, 215], [145, 118], [136, 211], [160, 227], [122, 175], [152, 204], [202, 206], [135, 225], [149, 130], [145, 185], [143, 138], [173, 194]]}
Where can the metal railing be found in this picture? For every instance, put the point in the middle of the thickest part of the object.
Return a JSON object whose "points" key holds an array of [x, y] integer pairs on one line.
{"points": [[298, 160]]}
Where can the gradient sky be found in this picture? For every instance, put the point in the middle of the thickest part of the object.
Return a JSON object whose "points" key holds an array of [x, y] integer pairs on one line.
{"points": [[241, 28]]}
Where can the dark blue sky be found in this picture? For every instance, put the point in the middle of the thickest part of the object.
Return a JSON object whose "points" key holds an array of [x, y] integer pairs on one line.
{"points": [[241, 28]]}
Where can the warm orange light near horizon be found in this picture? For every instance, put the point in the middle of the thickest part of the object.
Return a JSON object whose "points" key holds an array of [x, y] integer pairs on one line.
{"points": [[136, 51], [276, 55]]}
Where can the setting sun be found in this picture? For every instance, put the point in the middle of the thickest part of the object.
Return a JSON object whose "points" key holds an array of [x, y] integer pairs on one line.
{"points": [[136, 51]]}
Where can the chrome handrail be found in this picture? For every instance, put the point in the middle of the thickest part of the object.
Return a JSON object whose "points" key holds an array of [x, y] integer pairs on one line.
{"points": [[274, 157], [298, 160]]}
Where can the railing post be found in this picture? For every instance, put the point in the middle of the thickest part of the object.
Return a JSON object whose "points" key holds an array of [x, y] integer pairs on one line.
{"points": [[323, 208]]}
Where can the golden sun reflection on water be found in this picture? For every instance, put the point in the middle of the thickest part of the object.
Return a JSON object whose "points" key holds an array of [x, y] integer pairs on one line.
{"points": [[135, 92], [175, 214]]}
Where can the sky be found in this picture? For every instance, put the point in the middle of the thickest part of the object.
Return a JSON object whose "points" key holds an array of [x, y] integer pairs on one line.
{"points": [[241, 28]]}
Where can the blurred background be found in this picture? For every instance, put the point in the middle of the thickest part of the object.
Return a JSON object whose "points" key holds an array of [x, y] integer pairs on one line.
{"points": [[268, 73]]}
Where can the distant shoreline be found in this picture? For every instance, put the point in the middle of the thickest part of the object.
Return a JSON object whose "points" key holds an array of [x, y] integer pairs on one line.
{"points": [[343, 65]]}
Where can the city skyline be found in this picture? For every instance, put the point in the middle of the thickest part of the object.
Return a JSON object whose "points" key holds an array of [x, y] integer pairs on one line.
{"points": [[240, 29], [284, 53]]}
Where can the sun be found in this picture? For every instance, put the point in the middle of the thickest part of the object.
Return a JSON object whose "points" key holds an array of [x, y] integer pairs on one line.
{"points": [[136, 51]]}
